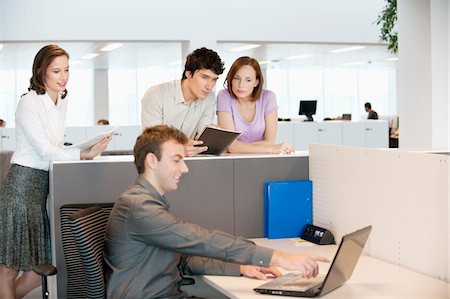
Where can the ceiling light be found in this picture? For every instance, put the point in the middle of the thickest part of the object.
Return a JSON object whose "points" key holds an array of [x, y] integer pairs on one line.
{"points": [[74, 62], [243, 48], [111, 47], [347, 49], [90, 56], [392, 59], [299, 57], [264, 62], [1, 47], [354, 63], [176, 62]]}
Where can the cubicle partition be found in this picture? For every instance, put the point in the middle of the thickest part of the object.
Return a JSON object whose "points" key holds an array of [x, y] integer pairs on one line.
{"points": [[403, 194], [223, 192]]}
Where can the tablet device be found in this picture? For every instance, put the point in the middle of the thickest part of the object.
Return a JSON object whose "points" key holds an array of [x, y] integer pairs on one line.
{"points": [[217, 139]]}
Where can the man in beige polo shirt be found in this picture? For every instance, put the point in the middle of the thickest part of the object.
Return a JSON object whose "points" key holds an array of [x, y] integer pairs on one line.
{"points": [[187, 104]]}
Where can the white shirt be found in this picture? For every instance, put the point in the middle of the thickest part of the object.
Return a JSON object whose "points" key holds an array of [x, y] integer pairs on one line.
{"points": [[164, 104], [40, 132]]}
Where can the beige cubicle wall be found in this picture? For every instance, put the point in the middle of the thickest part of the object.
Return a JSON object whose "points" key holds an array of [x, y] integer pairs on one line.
{"points": [[403, 194]]}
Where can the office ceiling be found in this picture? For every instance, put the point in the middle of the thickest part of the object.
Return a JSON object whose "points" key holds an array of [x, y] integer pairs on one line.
{"points": [[129, 55], [19, 55]]}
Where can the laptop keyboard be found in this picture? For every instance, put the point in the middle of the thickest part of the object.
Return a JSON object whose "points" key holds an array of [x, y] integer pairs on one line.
{"points": [[297, 282]]}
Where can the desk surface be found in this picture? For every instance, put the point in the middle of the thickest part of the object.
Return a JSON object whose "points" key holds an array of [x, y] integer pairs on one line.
{"points": [[372, 278]]}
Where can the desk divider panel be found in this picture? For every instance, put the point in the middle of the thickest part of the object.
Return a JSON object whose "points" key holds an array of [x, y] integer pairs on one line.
{"points": [[81, 182], [249, 178], [403, 195]]}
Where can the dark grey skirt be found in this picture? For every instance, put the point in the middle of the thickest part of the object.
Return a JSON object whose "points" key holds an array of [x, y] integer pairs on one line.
{"points": [[24, 224]]}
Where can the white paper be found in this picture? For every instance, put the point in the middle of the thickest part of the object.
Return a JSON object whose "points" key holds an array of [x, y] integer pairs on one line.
{"points": [[93, 141]]}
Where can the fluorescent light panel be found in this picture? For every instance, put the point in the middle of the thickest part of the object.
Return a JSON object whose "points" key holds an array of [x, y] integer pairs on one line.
{"points": [[392, 59], [264, 62], [347, 49], [246, 47], [90, 56], [111, 47]]}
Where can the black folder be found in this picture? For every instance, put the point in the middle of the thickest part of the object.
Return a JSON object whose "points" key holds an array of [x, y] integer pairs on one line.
{"points": [[217, 139]]}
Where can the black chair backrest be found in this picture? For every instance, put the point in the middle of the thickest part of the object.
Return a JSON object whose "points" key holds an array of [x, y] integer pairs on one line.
{"points": [[83, 234]]}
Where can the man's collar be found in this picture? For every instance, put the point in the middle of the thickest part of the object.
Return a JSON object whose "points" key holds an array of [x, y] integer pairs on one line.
{"points": [[141, 180], [179, 98], [180, 95]]}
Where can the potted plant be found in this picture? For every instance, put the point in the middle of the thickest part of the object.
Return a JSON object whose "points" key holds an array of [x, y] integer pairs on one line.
{"points": [[388, 19]]}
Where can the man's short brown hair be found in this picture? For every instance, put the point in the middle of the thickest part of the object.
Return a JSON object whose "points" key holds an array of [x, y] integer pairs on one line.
{"points": [[150, 141]]}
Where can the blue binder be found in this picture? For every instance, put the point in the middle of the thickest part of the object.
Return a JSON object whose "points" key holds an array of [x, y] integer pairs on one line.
{"points": [[287, 208]]}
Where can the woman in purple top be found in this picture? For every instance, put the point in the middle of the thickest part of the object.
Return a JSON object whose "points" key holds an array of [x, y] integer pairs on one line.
{"points": [[246, 107]]}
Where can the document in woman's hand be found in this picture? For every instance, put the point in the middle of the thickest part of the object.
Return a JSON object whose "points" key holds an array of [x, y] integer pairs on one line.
{"points": [[94, 140]]}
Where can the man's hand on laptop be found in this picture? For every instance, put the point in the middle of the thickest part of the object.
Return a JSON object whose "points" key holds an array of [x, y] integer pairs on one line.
{"points": [[193, 147], [305, 263], [259, 272]]}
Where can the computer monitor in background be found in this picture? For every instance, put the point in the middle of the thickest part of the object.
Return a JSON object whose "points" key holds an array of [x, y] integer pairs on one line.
{"points": [[308, 108]]}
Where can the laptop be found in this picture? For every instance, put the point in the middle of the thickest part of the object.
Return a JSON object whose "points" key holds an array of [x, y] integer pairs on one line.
{"points": [[341, 270]]}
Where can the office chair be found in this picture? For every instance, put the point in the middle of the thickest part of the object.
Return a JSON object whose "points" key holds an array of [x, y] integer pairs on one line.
{"points": [[88, 228], [76, 281], [45, 270], [84, 247]]}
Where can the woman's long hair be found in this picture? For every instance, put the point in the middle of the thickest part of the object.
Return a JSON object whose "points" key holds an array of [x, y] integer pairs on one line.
{"points": [[43, 59]]}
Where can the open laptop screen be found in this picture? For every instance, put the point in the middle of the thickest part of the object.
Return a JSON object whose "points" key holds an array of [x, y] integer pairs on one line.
{"points": [[345, 259]]}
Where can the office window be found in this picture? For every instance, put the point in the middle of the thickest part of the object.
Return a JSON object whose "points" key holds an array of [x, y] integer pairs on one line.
{"points": [[378, 87], [340, 92], [13, 83], [80, 93], [300, 84], [130, 67], [125, 103], [340, 81]]}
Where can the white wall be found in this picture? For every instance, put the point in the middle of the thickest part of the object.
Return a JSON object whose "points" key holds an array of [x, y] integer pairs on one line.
{"points": [[440, 66], [423, 99], [414, 73], [198, 21]]}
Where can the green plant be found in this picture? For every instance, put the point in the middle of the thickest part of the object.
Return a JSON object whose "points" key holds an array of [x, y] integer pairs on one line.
{"points": [[387, 19]]}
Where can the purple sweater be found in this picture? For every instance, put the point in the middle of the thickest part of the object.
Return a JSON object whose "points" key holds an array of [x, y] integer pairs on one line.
{"points": [[251, 131]]}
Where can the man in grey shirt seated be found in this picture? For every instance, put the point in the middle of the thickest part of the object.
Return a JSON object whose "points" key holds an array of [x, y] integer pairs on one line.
{"points": [[187, 104], [148, 248]]}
